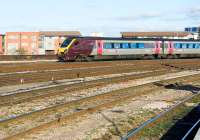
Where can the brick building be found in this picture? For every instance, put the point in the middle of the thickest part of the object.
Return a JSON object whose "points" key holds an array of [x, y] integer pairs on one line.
{"points": [[35, 43], [21, 43]]}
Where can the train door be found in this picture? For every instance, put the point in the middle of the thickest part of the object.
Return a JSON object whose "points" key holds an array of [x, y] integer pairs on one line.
{"points": [[99, 47], [157, 48], [170, 48]]}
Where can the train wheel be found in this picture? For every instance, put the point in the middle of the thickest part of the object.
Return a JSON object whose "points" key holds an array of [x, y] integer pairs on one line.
{"points": [[89, 59], [155, 56], [79, 59]]}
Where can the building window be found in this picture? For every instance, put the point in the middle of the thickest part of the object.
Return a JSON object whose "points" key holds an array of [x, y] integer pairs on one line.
{"points": [[12, 36], [24, 37], [24, 44], [34, 38]]}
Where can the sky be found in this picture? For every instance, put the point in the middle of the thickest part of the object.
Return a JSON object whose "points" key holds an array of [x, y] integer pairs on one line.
{"points": [[107, 16]]}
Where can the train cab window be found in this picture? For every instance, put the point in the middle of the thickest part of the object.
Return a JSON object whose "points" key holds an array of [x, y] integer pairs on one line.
{"points": [[66, 43]]}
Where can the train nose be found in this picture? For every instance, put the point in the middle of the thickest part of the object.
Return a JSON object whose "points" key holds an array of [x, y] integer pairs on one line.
{"points": [[60, 52]]}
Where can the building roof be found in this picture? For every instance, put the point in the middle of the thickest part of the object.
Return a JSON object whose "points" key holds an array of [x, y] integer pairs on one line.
{"points": [[154, 34], [60, 33]]}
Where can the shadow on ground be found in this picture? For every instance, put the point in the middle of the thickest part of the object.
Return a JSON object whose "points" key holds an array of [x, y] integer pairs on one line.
{"points": [[182, 126], [179, 86]]}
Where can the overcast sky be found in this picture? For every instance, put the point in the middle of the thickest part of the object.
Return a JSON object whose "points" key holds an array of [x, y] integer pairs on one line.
{"points": [[107, 16]]}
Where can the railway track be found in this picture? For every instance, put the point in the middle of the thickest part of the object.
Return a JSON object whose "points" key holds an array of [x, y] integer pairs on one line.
{"points": [[11, 68], [85, 105], [82, 106], [80, 85], [7, 80]]}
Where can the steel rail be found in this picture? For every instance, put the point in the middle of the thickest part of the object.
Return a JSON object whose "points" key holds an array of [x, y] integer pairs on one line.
{"points": [[57, 70], [191, 129], [133, 132]]}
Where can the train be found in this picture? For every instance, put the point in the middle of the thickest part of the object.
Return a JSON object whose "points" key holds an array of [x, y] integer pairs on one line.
{"points": [[107, 48]]}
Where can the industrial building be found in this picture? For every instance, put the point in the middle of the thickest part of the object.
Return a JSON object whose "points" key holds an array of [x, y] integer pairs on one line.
{"points": [[50, 41], [194, 30], [35, 43], [21, 43], [164, 35]]}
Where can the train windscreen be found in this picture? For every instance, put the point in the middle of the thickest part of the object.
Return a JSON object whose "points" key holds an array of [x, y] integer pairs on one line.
{"points": [[66, 43]]}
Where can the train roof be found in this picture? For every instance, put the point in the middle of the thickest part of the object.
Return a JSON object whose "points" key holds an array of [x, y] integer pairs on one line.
{"points": [[130, 39]]}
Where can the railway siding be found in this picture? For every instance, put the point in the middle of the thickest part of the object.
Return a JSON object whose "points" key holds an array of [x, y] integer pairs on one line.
{"points": [[67, 97], [9, 90], [107, 95], [98, 122], [96, 100]]}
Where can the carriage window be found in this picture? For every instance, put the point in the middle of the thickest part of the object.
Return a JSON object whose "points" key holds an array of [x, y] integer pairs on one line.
{"points": [[125, 45], [181, 46], [184, 46], [133, 45], [198, 46], [137, 45], [177, 45], [140, 45], [117, 45], [121, 46], [194, 46], [108, 45]]}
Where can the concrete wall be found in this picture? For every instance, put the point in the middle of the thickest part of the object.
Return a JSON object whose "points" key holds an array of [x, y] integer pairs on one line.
{"points": [[50, 44]]}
